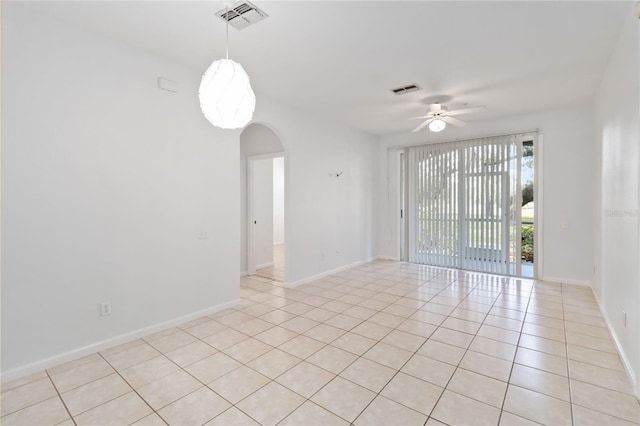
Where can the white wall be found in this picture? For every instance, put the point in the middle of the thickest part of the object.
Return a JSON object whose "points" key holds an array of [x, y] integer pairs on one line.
{"points": [[329, 221], [262, 212], [568, 155], [617, 136], [107, 181], [278, 200]]}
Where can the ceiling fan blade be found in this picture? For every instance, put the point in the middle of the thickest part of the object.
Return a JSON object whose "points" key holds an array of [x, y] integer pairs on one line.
{"points": [[466, 110], [453, 121], [422, 117], [422, 126]]}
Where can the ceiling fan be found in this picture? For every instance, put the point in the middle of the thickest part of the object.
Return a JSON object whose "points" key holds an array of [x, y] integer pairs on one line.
{"points": [[439, 116]]}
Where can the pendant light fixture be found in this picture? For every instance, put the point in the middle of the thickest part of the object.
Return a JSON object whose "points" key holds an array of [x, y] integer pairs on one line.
{"points": [[226, 97]]}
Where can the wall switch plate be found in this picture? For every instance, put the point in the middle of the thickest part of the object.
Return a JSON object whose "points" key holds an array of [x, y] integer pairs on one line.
{"points": [[105, 309], [565, 225], [624, 318]]}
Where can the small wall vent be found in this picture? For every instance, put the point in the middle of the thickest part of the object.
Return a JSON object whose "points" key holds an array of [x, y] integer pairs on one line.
{"points": [[405, 89], [242, 14]]}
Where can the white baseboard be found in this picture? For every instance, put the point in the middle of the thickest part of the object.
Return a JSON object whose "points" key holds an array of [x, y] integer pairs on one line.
{"points": [[386, 258], [625, 359], [566, 281], [327, 273], [74, 354], [264, 265], [244, 273]]}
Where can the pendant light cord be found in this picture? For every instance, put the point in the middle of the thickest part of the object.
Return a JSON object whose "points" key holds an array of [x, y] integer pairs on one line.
{"points": [[227, 19]]}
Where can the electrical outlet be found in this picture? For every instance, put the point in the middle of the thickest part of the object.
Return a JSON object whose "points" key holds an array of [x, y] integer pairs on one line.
{"points": [[337, 252], [564, 225], [202, 234], [105, 309]]}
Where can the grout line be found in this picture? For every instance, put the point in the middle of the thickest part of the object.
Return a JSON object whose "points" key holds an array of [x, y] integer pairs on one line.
{"points": [[64, 404]]}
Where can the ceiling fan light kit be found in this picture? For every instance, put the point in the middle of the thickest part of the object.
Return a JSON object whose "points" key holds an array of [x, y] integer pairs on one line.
{"points": [[437, 125], [439, 116]]}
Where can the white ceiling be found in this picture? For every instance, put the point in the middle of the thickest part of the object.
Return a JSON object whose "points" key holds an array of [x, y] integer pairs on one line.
{"points": [[340, 58]]}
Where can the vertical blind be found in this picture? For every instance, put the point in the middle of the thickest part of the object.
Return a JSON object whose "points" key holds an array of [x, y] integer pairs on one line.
{"points": [[464, 204]]}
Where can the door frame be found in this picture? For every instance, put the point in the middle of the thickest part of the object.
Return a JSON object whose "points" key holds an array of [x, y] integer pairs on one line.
{"points": [[404, 243], [251, 159]]}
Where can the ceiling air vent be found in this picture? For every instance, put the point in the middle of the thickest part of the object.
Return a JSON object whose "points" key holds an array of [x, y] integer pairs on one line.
{"points": [[405, 89], [242, 14]]}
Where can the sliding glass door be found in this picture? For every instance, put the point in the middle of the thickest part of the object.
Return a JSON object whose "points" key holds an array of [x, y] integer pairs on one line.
{"points": [[464, 204]]}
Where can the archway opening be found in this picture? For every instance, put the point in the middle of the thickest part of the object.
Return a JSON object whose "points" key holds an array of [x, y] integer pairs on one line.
{"points": [[262, 180]]}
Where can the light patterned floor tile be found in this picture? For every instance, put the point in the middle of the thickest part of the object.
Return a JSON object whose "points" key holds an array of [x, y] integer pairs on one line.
{"points": [[542, 361], [125, 409], [273, 363], [587, 417], [442, 352], [383, 412], [82, 374], [191, 353], [599, 376], [232, 417], [131, 356], [47, 412], [148, 371], [168, 389], [508, 419], [407, 341], [371, 330], [239, 383], [368, 374], [247, 350], [310, 414], [487, 365], [353, 343], [275, 336], [428, 369], [332, 359], [212, 367], [324, 333], [305, 378], [412, 392], [347, 408], [537, 407], [478, 387], [606, 401], [301, 346], [595, 357], [460, 410], [150, 420], [540, 381], [271, 404], [92, 394], [23, 396], [452, 337], [194, 409], [388, 355]]}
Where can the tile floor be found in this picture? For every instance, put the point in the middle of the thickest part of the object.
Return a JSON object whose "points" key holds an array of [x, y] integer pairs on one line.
{"points": [[275, 272], [385, 343]]}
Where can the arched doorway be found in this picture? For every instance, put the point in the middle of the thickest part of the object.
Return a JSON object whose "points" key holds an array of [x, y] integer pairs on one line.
{"points": [[262, 180]]}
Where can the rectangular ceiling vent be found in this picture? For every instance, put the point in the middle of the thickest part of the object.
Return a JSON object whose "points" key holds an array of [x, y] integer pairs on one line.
{"points": [[406, 89], [242, 14]]}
